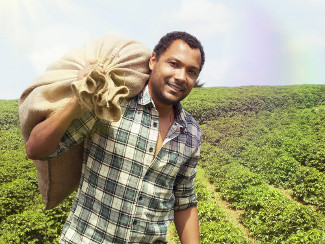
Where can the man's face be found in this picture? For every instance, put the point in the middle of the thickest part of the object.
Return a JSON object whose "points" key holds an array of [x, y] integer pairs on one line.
{"points": [[173, 76]]}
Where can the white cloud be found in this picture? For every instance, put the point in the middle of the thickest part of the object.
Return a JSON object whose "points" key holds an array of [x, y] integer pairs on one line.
{"points": [[312, 43], [48, 45], [7, 94], [216, 72], [317, 1], [204, 17], [42, 58], [317, 41]]}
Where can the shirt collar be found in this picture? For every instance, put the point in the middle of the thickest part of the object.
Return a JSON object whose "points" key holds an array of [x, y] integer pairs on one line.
{"points": [[144, 99]]}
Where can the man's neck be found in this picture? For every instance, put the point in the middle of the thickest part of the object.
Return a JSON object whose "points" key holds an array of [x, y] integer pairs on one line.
{"points": [[164, 110]]}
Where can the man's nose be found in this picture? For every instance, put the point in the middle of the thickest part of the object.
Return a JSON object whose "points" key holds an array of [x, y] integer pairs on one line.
{"points": [[181, 75]]}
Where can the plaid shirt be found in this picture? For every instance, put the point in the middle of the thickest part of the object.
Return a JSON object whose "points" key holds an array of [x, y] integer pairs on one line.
{"points": [[126, 194]]}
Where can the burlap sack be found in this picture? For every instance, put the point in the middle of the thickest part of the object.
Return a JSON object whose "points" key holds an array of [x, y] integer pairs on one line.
{"points": [[126, 66]]}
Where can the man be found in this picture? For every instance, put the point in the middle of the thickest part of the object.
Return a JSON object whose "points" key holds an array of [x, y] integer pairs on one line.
{"points": [[138, 173]]}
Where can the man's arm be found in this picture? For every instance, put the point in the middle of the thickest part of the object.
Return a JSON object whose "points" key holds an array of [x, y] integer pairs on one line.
{"points": [[46, 136], [187, 225], [185, 212]]}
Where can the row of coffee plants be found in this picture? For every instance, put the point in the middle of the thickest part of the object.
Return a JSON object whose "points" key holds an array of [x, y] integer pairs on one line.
{"points": [[261, 136], [285, 147], [270, 215], [22, 219], [207, 104], [33, 225], [214, 226]]}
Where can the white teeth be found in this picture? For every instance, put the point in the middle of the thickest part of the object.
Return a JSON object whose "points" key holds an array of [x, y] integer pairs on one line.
{"points": [[176, 88]]}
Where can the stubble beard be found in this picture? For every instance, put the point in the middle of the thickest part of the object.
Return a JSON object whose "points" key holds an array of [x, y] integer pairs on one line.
{"points": [[161, 96]]}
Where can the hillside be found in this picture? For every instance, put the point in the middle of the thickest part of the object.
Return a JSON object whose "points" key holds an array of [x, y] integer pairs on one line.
{"points": [[261, 176]]}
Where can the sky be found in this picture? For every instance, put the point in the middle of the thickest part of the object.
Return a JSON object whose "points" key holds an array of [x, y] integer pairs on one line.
{"points": [[247, 42]]}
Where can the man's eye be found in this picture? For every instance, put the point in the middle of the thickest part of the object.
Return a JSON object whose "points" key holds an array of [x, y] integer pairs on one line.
{"points": [[193, 72], [172, 63]]}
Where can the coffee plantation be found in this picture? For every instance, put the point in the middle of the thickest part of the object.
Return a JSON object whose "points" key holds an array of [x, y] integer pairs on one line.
{"points": [[262, 160]]}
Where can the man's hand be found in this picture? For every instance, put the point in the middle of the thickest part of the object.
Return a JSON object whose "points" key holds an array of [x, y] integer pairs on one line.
{"points": [[90, 66]]}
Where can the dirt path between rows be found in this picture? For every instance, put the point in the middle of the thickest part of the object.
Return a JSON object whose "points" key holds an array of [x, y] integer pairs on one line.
{"points": [[232, 215]]}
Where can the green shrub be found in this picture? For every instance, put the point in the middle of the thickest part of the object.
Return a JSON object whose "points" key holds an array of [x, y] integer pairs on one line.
{"points": [[220, 232], [30, 226], [314, 236], [16, 196], [309, 187], [11, 139], [258, 197], [317, 159], [11, 170], [214, 228], [233, 180], [280, 219]]}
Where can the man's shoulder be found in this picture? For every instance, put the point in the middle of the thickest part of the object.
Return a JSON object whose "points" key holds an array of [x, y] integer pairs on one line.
{"points": [[126, 102], [192, 125]]}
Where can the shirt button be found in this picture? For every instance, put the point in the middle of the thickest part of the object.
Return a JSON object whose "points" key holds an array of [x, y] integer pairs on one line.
{"points": [[140, 198], [135, 222], [150, 149], [154, 124]]}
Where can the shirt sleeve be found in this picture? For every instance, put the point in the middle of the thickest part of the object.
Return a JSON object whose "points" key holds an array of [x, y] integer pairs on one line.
{"points": [[185, 196], [78, 130]]}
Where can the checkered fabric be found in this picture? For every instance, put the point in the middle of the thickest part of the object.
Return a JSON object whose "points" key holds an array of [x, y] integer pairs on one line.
{"points": [[126, 194]]}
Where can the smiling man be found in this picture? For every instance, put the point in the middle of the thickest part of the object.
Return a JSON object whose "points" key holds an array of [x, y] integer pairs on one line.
{"points": [[138, 173]]}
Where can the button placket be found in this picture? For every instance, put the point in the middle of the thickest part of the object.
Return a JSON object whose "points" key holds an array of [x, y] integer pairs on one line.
{"points": [[135, 206]]}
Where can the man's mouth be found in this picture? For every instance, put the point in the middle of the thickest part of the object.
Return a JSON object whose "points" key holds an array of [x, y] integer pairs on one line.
{"points": [[176, 88]]}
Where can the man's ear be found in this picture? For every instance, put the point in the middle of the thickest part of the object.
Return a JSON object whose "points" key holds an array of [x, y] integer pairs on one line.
{"points": [[152, 61]]}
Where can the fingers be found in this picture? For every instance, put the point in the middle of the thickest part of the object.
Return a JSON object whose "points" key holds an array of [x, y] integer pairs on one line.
{"points": [[100, 68], [90, 66], [94, 64], [91, 62]]}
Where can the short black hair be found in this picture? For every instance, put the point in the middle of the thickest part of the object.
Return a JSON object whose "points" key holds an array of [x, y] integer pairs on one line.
{"points": [[167, 40]]}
